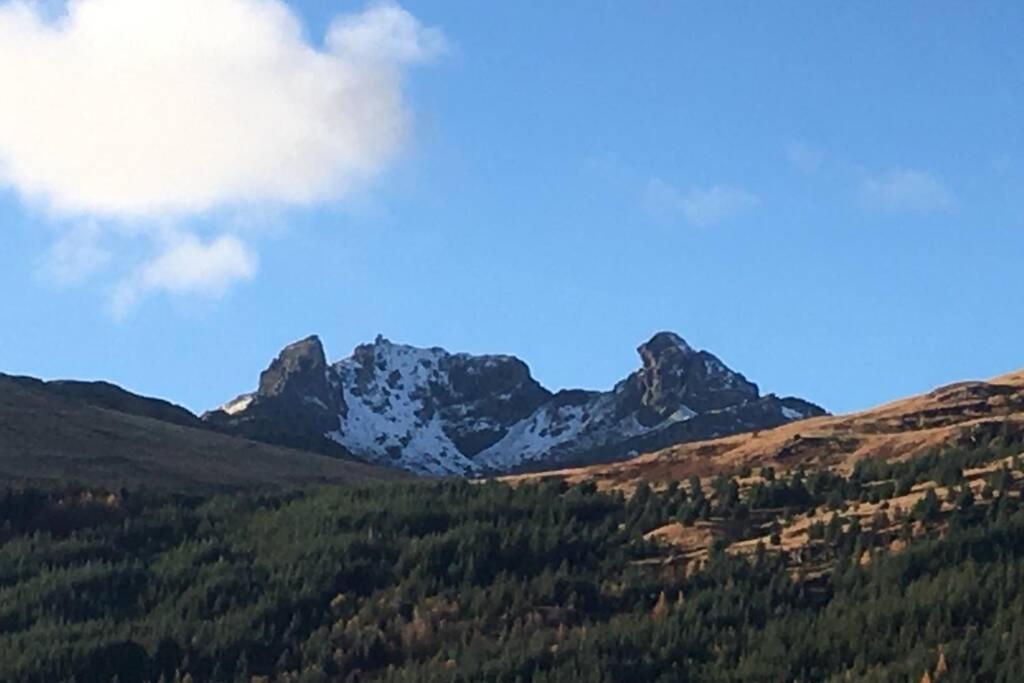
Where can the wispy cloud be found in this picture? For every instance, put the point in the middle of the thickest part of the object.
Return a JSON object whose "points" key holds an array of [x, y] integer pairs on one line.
{"points": [[76, 255], [804, 156], [701, 207], [187, 265], [907, 190], [149, 111]]}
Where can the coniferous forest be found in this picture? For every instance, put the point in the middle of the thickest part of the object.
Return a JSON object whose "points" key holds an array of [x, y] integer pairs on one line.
{"points": [[465, 581]]}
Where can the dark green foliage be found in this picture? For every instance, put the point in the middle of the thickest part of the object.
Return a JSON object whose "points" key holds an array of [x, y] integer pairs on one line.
{"points": [[456, 581], [964, 499], [928, 508]]}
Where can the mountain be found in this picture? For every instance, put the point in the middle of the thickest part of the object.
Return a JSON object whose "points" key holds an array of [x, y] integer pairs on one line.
{"points": [[957, 415], [433, 412], [754, 575], [107, 395], [100, 434]]}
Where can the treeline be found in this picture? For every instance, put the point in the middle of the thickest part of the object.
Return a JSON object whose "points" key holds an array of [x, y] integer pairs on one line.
{"points": [[457, 581]]}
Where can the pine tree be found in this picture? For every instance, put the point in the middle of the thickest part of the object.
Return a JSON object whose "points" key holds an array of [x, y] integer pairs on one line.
{"points": [[660, 610]]}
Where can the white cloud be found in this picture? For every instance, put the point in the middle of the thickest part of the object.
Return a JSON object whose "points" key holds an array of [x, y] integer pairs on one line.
{"points": [[76, 255], [386, 33], [907, 190], [134, 107], [188, 266], [699, 207], [149, 110], [805, 157]]}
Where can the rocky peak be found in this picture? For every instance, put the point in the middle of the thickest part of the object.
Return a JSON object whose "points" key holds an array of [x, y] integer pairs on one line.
{"points": [[494, 377], [488, 394], [675, 376], [435, 412], [295, 404], [456, 405], [663, 343], [300, 370]]}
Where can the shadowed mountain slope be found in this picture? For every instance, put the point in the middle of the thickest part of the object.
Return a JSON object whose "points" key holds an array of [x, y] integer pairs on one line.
{"points": [[54, 432]]}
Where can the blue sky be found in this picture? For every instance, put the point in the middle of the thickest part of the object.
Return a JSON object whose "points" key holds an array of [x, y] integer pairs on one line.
{"points": [[829, 196]]}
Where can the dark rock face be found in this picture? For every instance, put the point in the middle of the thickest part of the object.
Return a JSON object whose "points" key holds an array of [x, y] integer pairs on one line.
{"points": [[299, 371], [483, 399], [762, 412], [295, 404], [673, 374], [433, 412]]}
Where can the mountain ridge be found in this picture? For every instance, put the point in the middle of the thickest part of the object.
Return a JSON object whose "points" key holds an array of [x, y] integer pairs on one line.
{"points": [[99, 434], [434, 412], [951, 415], [108, 395]]}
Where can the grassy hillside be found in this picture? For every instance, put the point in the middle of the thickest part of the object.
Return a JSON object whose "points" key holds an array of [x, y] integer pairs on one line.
{"points": [[455, 581], [956, 415], [60, 436]]}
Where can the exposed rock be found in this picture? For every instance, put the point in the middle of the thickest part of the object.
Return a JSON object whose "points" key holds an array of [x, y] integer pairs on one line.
{"points": [[434, 412], [483, 398], [674, 374], [295, 404], [298, 372]]}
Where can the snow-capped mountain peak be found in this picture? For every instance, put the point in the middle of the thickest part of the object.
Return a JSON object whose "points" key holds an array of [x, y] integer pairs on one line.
{"points": [[440, 413]]}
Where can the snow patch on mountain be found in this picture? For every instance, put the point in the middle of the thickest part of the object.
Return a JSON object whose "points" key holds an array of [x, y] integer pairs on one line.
{"points": [[238, 405], [791, 414], [437, 413], [388, 419]]}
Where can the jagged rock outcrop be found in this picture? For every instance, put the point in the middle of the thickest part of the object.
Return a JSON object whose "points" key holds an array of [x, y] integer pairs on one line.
{"points": [[674, 374], [434, 412], [295, 404]]}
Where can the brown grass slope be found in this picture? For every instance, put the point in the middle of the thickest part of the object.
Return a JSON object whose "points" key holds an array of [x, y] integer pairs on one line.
{"points": [[954, 414], [48, 437]]}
